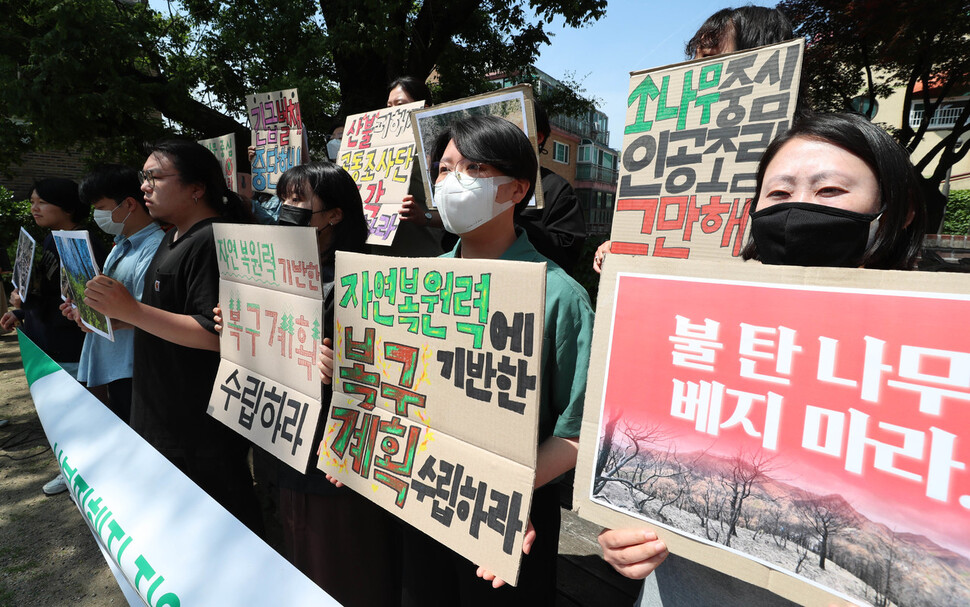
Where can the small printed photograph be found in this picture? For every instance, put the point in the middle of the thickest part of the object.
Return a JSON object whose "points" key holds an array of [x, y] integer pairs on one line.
{"points": [[508, 104], [24, 263], [77, 268]]}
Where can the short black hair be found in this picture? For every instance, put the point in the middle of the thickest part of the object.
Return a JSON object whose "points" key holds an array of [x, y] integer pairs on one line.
{"points": [[63, 193], [337, 190], [490, 140], [114, 181], [752, 26], [414, 87], [899, 238], [195, 163]]}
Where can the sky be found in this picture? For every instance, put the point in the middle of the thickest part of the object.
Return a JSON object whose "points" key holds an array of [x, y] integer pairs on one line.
{"points": [[632, 36]]}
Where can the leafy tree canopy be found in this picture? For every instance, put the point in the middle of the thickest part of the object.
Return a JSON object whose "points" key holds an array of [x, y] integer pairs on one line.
{"points": [[117, 73], [873, 47]]}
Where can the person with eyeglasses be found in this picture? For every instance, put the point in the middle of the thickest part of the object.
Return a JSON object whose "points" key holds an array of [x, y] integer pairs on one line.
{"points": [[176, 348], [119, 210], [483, 167]]}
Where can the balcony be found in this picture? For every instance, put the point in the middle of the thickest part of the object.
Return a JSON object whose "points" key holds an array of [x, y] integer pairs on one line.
{"points": [[585, 129], [592, 172]]}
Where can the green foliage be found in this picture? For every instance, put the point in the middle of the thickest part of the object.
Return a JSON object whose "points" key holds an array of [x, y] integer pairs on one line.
{"points": [[107, 75], [881, 46], [13, 215], [957, 217]]}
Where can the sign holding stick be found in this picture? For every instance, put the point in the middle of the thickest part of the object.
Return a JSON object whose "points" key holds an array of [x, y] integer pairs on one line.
{"points": [[803, 429], [377, 150], [267, 387], [24, 263], [436, 396], [693, 137], [78, 266]]}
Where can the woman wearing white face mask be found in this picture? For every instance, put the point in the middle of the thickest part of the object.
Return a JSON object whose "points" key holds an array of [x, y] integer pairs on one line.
{"points": [[482, 167]]}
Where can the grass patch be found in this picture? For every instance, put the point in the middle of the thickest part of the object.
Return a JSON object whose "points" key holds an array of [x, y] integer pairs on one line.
{"points": [[21, 568]]}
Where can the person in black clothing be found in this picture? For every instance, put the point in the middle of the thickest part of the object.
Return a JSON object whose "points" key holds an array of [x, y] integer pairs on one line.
{"points": [[56, 205], [176, 348], [558, 229]]}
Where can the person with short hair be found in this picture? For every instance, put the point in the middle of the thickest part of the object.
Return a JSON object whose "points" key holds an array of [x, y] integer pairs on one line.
{"points": [[119, 209], [418, 231], [482, 167]]}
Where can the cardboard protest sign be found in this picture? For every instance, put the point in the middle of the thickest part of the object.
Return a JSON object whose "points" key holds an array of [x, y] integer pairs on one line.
{"points": [[24, 263], [267, 388], [277, 128], [225, 151], [377, 150], [78, 266], [513, 104], [769, 420], [168, 547], [694, 134], [436, 390]]}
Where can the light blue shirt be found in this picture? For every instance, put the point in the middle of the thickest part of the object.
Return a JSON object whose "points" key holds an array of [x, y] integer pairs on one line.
{"points": [[103, 361]]}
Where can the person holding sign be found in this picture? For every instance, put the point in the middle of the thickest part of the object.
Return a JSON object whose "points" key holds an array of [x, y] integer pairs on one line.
{"points": [[55, 205], [727, 31], [119, 209], [176, 349], [834, 191], [483, 166], [329, 532], [418, 233]]}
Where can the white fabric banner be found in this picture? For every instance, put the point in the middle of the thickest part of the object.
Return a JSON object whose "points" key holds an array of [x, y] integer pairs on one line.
{"points": [[171, 542]]}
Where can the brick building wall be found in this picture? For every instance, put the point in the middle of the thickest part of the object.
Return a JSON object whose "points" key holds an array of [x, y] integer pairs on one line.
{"points": [[40, 165]]}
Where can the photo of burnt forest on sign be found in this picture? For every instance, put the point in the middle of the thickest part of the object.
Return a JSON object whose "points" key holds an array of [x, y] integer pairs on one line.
{"points": [[743, 502]]}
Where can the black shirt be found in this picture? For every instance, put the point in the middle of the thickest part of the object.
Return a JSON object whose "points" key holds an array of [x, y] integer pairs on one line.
{"points": [[172, 383]]}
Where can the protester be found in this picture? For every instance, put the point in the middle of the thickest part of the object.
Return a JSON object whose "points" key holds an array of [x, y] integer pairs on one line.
{"points": [[727, 31], [55, 205], [119, 209], [834, 191], [333, 142], [176, 349], [557, 230], [419, 230], [408, 89], [328, 532], [483, 167]]}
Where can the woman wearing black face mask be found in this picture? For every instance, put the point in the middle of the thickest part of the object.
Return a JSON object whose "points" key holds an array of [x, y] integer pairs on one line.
{"points": [[324, 196], [328, 532], [836, 191], [833, 191]]}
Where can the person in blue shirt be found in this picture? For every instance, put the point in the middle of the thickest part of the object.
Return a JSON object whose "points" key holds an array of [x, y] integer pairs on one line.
{"points": [[119, 209]]}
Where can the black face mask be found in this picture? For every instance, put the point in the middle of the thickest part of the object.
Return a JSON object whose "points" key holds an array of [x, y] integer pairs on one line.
{"points": [[293, 216], [805, 234]]}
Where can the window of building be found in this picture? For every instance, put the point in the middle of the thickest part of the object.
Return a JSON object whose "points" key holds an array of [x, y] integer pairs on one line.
{"points": [[560, 152], [945, 117], [583, 154]]}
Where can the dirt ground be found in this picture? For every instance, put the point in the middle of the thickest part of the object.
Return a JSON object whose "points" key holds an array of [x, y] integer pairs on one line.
{"points": [[47, 555]]}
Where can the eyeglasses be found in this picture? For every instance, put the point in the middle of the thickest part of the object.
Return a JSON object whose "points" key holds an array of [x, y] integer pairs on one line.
{"points": [[150, 177], [465, 172]]}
